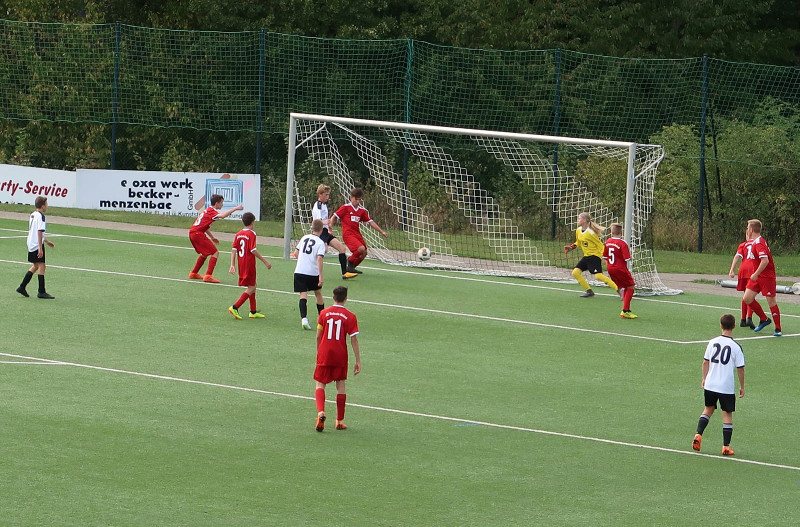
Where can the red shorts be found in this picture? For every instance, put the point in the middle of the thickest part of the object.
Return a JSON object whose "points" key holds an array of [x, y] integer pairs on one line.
{"points": [[741, 285], [202, 244], [621, 277], [765, 286], [248, 278], [328, 374], [354, 241]]}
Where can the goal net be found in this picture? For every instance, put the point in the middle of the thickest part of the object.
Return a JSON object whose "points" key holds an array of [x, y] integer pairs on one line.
{"points": [[483, 202]]}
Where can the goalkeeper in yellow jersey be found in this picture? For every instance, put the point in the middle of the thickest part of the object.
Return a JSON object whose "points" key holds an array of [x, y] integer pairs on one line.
{"points": [[587, 237]]}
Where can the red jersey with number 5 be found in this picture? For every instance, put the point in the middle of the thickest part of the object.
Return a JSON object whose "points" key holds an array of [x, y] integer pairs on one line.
{"points": [[337, 322], [351, 218], [616, 253], [204, 220]]}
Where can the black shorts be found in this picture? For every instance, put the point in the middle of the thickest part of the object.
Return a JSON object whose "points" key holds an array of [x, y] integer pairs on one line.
{"points": [[305, 282], [727, 401], [326, 236], [593, 264], [33, 256]]}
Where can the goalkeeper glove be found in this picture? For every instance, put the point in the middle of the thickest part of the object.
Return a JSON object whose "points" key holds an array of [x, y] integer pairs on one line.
{"points": [[568, 248]]}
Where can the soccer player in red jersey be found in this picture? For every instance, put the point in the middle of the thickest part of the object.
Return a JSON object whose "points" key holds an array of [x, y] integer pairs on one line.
{"points": [[352, 215], [204, 242], [245, 253], [333, 326], [744, 253], [617, 254], [762, 280]]}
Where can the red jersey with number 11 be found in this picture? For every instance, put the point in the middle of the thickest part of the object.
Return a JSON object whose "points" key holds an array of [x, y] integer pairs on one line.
{"points": [[336, 323]]}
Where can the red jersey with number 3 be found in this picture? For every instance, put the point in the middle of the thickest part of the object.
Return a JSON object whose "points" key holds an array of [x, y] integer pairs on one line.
{"points": [[351, 218], [204, 220], [337, 322], [244, 243], [761, 250]]}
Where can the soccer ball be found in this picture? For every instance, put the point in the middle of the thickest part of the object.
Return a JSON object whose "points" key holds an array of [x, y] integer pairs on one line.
{"points": [[424, 254]]}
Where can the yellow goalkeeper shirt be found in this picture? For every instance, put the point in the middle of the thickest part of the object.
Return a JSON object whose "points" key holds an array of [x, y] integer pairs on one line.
{"points": [[589, 242]]}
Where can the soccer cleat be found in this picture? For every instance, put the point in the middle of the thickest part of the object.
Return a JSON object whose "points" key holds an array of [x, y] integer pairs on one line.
{"points": [[698, 439], [762, 324], [45, 295], [744, 324], [195, 276], [235, 312], [727, 451], [340, 425], [352, 269], [750, 323], [777, 333], [305, 324], [588, 294], [21, 290], [256, 314], [628, 314], [210, 279], [320, 422], [347, 276]]}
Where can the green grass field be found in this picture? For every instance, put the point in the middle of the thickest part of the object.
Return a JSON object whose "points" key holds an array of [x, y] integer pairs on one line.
{"points": [[134, 398]]}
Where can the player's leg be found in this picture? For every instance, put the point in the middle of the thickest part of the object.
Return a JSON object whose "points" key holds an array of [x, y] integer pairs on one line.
{"points": [[201, 249], [341, 400], [319, 398], [234, 309], [27, 278], [577, 273], [749, 298], [320, 300], [251, 292], [606, 280], [339, 246], [775, 311], [727, 433], [212, 264], [708, 411], [40, 269], [303, 307]]}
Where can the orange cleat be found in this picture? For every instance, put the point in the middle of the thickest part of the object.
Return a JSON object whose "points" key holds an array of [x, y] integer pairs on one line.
{"points": [[727, 451], [320, 422], [340, 425], [696, 442], [195, 276], [210, 279]]}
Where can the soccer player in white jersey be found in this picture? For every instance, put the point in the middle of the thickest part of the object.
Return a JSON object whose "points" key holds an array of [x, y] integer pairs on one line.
{"points": [[320, 212], [36, 243], [723, 356], [308, 271]]}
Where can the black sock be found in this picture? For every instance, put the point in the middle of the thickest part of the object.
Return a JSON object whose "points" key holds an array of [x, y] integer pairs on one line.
{"points": [[343, 262], [41, 284], [727, 432], [303, 308], [26, 280], [320, 307], [702, 424]]}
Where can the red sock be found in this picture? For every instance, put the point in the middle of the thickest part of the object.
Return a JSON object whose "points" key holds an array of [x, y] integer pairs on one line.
{"points": [[241, 300], [340, 399], [745, 310], [776, 316], [756, 307], [319, 396], [199, 263], [749, 312], [626, 298], [212, 263], [253, 302]]}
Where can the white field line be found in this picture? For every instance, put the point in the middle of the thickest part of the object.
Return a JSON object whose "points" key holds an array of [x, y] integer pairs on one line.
{"points": [[428, 275], [408, 413], [412, 308]]}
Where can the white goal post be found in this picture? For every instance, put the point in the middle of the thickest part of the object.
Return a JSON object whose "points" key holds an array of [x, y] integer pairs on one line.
{"points": [[482, 201]]}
